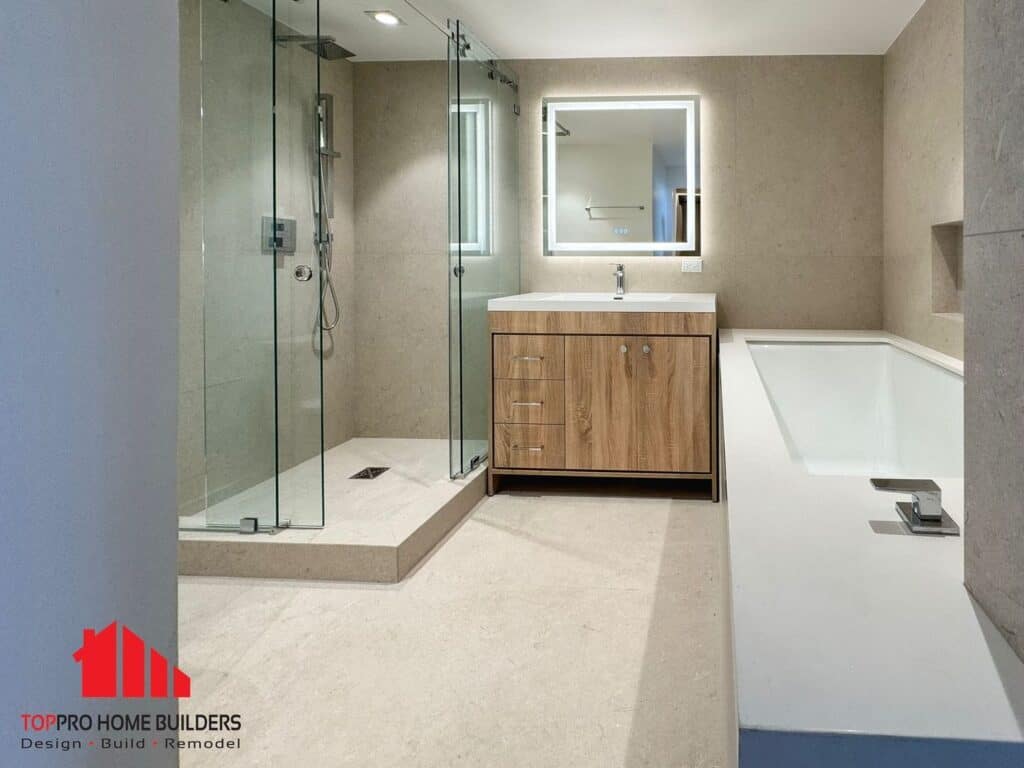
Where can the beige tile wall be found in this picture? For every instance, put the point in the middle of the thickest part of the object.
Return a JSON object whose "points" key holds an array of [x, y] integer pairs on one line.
{"points": [[924, 168], [401, 221], [994, 313], [339, 352], [791, 156]]}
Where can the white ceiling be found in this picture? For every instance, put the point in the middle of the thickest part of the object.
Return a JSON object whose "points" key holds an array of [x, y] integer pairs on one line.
{"points": [[524, 29], [346, 20], [527, 29]]}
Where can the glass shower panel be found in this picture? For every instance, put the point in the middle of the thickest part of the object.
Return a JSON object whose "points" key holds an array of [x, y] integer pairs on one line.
{"points": [[483, 228], [237, 288], [454, 259], [299, 277]]}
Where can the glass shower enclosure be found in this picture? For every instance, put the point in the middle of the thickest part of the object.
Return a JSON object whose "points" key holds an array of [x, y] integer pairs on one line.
{"points": [[483, 221], [251, 388], [259, 177]]}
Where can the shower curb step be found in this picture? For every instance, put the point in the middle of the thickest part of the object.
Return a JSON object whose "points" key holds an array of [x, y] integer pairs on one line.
{"points": [[273, 557]]}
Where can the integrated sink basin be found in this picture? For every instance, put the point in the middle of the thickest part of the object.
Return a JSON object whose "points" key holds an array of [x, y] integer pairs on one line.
{"points": [[604, 302]]}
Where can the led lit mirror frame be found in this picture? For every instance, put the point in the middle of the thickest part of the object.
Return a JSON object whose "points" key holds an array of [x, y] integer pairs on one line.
{"points": [[689, 106]]}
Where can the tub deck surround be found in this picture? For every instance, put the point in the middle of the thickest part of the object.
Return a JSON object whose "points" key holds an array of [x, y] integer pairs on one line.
{"points": [[856, 643], [593, 386]]}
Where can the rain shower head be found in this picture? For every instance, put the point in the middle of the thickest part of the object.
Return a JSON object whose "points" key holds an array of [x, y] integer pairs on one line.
{"points": [[328, 49], [324, 47]]}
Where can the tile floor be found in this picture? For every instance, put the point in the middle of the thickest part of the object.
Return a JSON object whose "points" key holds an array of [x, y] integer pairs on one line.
{"points": [[547, 630]]}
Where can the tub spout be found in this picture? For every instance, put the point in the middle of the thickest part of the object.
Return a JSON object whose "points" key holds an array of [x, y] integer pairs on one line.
{"points": [[924, 513]]}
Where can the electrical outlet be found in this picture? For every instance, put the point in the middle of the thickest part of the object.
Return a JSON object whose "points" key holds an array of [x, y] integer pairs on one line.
{"points": [[693, 264]]}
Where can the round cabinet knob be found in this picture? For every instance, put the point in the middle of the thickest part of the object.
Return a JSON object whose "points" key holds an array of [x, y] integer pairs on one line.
{"points": [[647, 348], [623, 349]]}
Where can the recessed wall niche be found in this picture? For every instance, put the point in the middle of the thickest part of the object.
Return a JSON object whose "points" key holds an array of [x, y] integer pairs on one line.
{"points": [[947, 268]]}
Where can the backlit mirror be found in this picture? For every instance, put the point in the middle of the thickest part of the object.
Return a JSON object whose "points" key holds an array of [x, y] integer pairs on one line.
{"points": [[622, 175]]}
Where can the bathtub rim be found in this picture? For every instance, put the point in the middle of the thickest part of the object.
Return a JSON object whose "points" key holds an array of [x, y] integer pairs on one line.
{"points": [[755, 336]]}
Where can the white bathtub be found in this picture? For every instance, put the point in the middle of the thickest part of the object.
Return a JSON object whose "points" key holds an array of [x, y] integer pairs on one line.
{"points": [[855, 642], [864, 408]]}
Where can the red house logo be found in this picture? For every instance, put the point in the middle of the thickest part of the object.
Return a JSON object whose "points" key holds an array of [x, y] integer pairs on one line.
{"points": [[98, 657]]}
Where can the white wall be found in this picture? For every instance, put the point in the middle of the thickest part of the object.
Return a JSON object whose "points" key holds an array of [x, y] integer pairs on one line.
{"points": [[604, 174], [88, 304], [665, 178]]}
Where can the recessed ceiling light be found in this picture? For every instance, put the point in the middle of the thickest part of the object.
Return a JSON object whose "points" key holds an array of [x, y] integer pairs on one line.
{"points": [[387, 18]]}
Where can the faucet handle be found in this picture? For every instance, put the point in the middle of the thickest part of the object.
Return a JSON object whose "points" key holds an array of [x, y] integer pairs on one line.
{"points": [[924, 514], [926, 494], [617, 266], [905, 485]]}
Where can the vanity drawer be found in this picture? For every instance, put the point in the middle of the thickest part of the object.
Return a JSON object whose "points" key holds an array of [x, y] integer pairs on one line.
{"points": [[529, 401], [529, 356], [529, 446]]}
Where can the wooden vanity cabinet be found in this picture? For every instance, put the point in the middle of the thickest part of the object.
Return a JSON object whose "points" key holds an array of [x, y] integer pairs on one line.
{"points": [[638, 403], [604, 394]]}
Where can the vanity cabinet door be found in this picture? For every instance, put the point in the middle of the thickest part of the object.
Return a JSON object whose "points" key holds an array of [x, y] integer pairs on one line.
{"points": [[600, 386], [673, 399]]}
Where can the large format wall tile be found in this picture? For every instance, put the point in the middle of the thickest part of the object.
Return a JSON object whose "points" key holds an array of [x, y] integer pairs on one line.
{"points": [[994, 312], [994, 428], [339, 345], [791, 172], [401, 150], [923, 160], [401, 225], [402, 346], [995, 115]]}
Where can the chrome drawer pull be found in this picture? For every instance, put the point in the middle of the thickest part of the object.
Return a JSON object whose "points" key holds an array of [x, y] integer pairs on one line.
{"points": [[529, 405], [528, 358], [530, 448]]}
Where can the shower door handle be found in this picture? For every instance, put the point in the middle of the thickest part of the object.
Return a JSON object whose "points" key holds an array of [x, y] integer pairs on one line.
{"points": [[303, 272]]}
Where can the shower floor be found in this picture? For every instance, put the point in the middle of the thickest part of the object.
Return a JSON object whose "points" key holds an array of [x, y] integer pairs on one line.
{"points": [[374, 530]]}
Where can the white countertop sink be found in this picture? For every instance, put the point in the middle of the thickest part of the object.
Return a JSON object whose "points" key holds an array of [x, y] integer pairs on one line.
{"points": [[604, 302]]}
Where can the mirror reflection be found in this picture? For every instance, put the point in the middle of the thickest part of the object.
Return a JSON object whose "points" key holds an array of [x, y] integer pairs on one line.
{"points": [[473, 137], [618, 176]]}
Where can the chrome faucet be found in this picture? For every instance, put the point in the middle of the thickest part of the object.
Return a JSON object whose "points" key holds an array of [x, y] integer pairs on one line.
{"points": [[620, 280], [924, 514]]}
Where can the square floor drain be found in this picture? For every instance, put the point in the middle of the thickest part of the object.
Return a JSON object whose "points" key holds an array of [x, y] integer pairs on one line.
{"points": [[369, 473]]}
